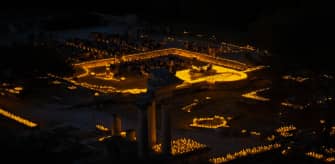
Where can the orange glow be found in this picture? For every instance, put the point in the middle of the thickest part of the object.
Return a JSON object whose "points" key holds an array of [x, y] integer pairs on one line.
{"points": [[315, 155], [330, 159], [209, 122], [222, 75], [255, 133], [101, 128], [320, 156], [18, 88], [284, 130], [294, 106], [297, 79], [17, 118], [252, 69], [103, 138], [271, 138], [123, 134], [181, 146], [56, 82], [189, 107], [253, 95], [101, 88], [244, 153]]}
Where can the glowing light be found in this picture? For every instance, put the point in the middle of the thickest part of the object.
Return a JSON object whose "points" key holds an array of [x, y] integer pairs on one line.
{"points": [[56, 82], [17, 118], [271, 138], [330, 159], [123, 134], [315, 155], [255, 133], [102, 128], [243, 153], [102, 88], [252, 69], [222, 75], [72, 87], [188, 108], [284, 152], [13, 91], [284, 130], [96, 94], [209, 122], [297, 79], [253, 95], [330, 150], [103, 138], [86, 73], [18, 88], [181, 146], [320, 156], [294, 106]]}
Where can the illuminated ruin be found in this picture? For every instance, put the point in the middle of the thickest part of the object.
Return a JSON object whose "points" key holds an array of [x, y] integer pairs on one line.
{"points": [[97, 75]]}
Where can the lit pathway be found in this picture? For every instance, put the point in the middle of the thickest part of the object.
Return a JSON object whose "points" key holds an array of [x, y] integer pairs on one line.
{"points": [[17, 118]]}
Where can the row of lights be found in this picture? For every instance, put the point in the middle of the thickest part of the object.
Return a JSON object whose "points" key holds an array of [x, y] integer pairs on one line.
{"points": [[103, 138], [255, 133], [297, 79], [188, 107], [17, 118], [83, 47], [244, 153], [209, 122], [195, 102], [105, 129], [181, 146], [102, 88], [252, 69], [320, 157], [222, 75], [294, 106], [15, 90], [253, 95], [301, 107], [330, 150], [101, 128], [284, 130], [179, 52]]}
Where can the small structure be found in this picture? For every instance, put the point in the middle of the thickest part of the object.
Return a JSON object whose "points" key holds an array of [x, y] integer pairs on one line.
{"points": [[116, 126]]}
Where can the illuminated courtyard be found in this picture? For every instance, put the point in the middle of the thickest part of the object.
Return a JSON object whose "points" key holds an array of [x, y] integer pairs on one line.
{"points": [[97, 74]]}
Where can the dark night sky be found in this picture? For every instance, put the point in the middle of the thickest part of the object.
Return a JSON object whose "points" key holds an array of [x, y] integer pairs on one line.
{"points": [[296, 28]]}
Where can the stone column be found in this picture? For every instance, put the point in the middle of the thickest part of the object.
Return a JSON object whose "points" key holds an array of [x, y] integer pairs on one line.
{"points": [[131, 135], [166, 131], [116, 126], [142, 131], [152, 124]]}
